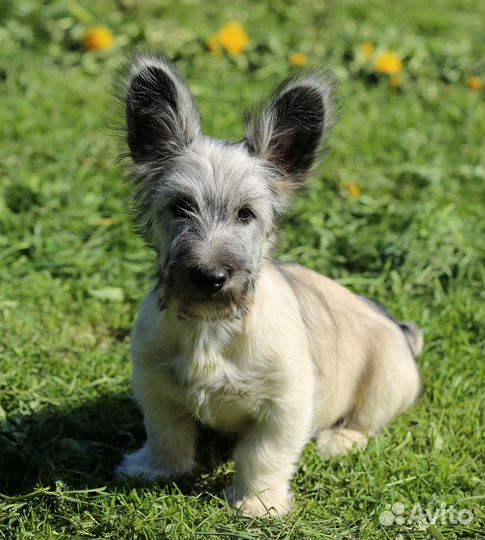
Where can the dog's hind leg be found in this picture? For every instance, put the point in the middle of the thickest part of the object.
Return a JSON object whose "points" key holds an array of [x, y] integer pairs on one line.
{"points": [[388, 386]]}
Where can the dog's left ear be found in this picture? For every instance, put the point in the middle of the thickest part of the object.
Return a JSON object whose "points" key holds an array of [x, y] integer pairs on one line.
{"points": [[288, 131]]}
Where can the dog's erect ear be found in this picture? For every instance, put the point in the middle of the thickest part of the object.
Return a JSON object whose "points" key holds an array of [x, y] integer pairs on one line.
{"points": [[161, 114], [289, 129]]}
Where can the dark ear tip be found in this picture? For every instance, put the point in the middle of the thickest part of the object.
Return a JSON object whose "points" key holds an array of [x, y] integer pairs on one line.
{"points": [[144, 67], [320, 80], [140, 61], [149, 65]]}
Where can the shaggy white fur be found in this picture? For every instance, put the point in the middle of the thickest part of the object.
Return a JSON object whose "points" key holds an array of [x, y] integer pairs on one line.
{"points": [[275, 353]]}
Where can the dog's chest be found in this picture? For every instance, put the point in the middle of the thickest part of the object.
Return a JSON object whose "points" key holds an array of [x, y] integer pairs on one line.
{"points": [[217, 390]]}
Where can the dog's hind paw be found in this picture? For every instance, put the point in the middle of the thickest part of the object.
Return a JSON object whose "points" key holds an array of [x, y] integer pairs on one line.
{"points": [[268, 503], [337, 442]]}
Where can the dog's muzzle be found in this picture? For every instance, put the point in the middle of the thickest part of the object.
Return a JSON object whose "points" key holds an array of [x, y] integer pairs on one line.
{"points": [[208, 281]]}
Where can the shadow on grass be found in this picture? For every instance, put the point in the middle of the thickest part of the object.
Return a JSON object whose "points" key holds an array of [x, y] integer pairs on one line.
{"points": [[82, 446]]}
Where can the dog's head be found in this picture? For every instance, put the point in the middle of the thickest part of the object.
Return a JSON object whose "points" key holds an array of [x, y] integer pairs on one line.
{"points": [[209, 207]]}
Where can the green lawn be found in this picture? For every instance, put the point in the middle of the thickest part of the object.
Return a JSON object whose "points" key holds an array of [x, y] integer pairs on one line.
{"points": [[396, 212]]}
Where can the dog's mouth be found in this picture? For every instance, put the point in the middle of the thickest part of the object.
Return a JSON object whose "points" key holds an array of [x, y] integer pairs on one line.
{"points": [[217, 306], [230, 302]]}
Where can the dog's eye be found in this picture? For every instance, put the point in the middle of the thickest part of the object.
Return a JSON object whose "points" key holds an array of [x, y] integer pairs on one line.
{"points": [[245, 214], [181, 207]]}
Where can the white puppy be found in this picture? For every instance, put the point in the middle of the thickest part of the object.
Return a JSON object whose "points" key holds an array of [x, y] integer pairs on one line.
{"points": [[227, 337]]}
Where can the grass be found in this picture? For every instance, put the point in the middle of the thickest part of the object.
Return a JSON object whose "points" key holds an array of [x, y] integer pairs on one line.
{"points": [[72, 272]]}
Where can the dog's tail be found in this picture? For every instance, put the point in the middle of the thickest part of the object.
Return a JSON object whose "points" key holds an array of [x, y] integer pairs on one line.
{"points": [[414, 337], [412, 333]]}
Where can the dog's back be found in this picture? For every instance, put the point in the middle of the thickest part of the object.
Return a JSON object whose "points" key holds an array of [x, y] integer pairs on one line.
{"points": [[361, 349]]}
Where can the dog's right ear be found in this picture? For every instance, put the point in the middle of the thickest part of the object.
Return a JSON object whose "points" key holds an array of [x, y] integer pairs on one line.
{"points": [[161, 115]]}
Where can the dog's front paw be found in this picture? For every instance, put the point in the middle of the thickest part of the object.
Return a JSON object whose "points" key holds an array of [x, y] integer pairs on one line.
{"points": [[266, 503], [143, 465]]}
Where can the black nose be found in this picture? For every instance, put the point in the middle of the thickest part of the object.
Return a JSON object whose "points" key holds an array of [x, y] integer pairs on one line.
{"points": [[209, 281]]}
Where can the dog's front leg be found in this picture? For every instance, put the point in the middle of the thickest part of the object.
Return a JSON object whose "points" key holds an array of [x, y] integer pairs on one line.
{"points": [[170, 445], [267, 457]]}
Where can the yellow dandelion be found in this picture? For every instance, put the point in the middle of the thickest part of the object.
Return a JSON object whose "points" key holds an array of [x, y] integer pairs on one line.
{"points": [[395, 81], [298, 59], [214, 45], [233, 37], [98, 38], [475, 83], [353, 190], [367, 49], [388, 63]]}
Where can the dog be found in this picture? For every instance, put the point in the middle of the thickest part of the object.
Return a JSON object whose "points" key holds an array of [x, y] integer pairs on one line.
{"points": [[227, 337]]}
